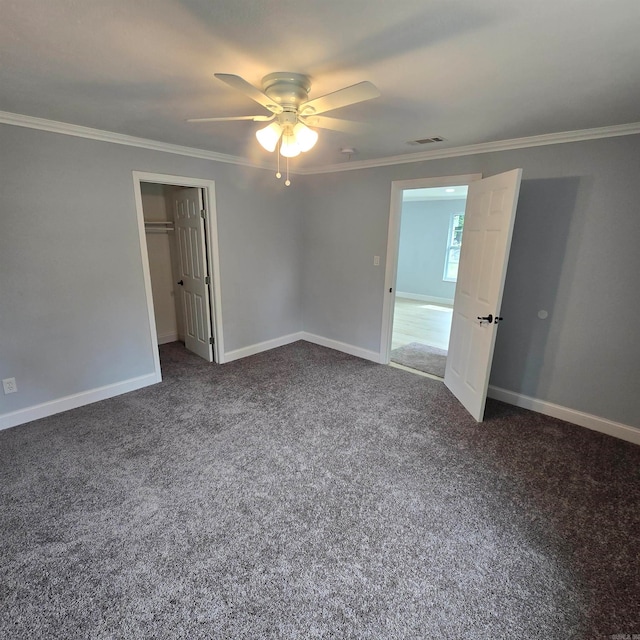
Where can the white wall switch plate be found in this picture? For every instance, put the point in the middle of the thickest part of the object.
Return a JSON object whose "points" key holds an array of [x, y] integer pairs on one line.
{"points": [[376, 261], [9, 385]]}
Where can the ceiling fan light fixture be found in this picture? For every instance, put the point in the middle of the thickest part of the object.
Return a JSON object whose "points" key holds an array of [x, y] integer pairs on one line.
{"points": [[285, 94], [268, 136], [304, 136], [289, 147]]}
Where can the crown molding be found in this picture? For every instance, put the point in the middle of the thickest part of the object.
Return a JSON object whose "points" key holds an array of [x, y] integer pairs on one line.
{"points": [[578, 135], [65, 128]]}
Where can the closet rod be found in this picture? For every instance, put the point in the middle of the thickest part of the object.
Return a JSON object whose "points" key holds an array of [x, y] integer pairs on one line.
{"points": [[158, 230]]}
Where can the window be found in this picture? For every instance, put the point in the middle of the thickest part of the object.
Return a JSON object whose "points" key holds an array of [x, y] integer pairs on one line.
{"points": [[454, 243]]}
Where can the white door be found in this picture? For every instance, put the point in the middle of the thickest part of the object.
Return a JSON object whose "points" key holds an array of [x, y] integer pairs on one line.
{"points": [[194, 278], [488, 227]]}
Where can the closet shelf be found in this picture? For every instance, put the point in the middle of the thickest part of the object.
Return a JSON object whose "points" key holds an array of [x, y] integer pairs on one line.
{"points": [[158, 226]]}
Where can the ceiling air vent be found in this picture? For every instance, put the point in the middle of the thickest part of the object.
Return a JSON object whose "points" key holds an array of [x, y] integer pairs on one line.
{"points": [[427, 140]]}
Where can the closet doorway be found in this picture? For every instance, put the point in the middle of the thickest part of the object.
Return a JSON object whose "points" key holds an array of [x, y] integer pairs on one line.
{"points": [[180, 256]]}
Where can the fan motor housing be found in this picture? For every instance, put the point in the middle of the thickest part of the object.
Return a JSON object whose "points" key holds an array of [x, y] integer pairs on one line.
{"points": [[286, 89]]}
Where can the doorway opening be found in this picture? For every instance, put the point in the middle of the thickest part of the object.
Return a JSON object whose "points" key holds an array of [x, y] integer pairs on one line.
{"points": [[431, 226], [425, 236], [178, 236], [489, 220]]}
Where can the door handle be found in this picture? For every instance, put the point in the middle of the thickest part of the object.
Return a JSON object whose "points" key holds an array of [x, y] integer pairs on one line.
{"points": [[181, 283], [488, 318]]}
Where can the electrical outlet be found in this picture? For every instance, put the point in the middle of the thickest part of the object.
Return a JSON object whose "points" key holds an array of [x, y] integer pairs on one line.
{"points": [[9, 385], [376, 261]]}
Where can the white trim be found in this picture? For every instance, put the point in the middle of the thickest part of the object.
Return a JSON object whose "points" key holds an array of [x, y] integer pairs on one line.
{"points": [[259, 347], [595, 423], [52, 407], [213, 254], [64, 128], [393, 242], [146, 274], [561, 137], [165, 338], [341, 346], [423, 298], [211, 224], [46, 409], [301, 335], [68, 129]]}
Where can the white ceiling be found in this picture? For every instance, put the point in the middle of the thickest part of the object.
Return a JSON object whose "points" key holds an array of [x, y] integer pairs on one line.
{"points": [[472, 72]]}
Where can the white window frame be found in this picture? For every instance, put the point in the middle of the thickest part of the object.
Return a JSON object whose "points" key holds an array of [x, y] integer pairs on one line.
{"points": [[450, 245]]}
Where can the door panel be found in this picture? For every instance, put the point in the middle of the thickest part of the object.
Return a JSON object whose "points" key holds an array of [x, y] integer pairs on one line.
{"points": [[195, 290], [488, 227], [196, 271], [183, 245]]}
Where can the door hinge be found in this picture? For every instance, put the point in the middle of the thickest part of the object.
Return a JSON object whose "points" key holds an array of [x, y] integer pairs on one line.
{"points": [[203, 214], [207, 280], [211, 341]]}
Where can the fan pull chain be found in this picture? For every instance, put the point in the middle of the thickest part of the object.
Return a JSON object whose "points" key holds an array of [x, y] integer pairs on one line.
{"points": [[278, 174], [287, 182]]}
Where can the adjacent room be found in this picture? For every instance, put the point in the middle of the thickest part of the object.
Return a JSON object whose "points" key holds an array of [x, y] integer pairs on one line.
{"points": [[431, 226], [220, 223]]}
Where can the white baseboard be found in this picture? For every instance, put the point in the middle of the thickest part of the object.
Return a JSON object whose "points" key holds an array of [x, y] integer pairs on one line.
{"points": [[423, 298], [164, 338], [252, 349], [301, 335], [46, 409], [374, 356], [595, 423]]}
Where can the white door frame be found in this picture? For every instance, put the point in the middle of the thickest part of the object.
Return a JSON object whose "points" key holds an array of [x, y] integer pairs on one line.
{"points": [[213, 256], [393, 242]]}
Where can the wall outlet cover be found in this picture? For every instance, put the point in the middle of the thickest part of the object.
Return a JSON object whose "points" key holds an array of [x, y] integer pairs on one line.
{"points": [[9, 385]]}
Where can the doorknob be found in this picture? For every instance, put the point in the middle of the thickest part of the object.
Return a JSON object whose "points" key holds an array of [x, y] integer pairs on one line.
{"points": [[488, 318], [181, 283]]}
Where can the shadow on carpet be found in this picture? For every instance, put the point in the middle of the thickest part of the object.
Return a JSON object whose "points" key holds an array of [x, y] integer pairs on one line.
{"points": [[421, 357]]}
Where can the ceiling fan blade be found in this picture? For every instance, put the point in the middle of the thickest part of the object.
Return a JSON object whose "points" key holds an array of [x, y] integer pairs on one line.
{"points": [[230, 118], [341, 98], [249, 90], [336, 124]]}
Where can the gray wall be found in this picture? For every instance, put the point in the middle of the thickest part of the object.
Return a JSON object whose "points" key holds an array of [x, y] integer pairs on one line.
{"points": [[424, 234], [72, 305], [345, 226], [574, 254], [73, 313]]}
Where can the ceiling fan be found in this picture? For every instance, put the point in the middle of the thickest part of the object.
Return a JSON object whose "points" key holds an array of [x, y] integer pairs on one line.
{"points": [[285, 95]]}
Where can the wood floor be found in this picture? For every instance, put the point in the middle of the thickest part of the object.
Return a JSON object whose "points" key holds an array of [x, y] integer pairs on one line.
{"points": [[417, 321]]}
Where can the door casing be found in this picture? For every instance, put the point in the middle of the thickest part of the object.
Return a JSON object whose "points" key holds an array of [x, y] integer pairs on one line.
{"points": [[393, 242], [213, 255]]}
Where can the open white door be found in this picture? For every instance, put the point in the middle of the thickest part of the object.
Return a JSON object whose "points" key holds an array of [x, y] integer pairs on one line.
{"points": [[194, 279], [488, 227]]}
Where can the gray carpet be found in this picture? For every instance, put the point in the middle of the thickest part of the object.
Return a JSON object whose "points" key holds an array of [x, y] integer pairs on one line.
{"points": [[422, 357], [304, 493]]}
